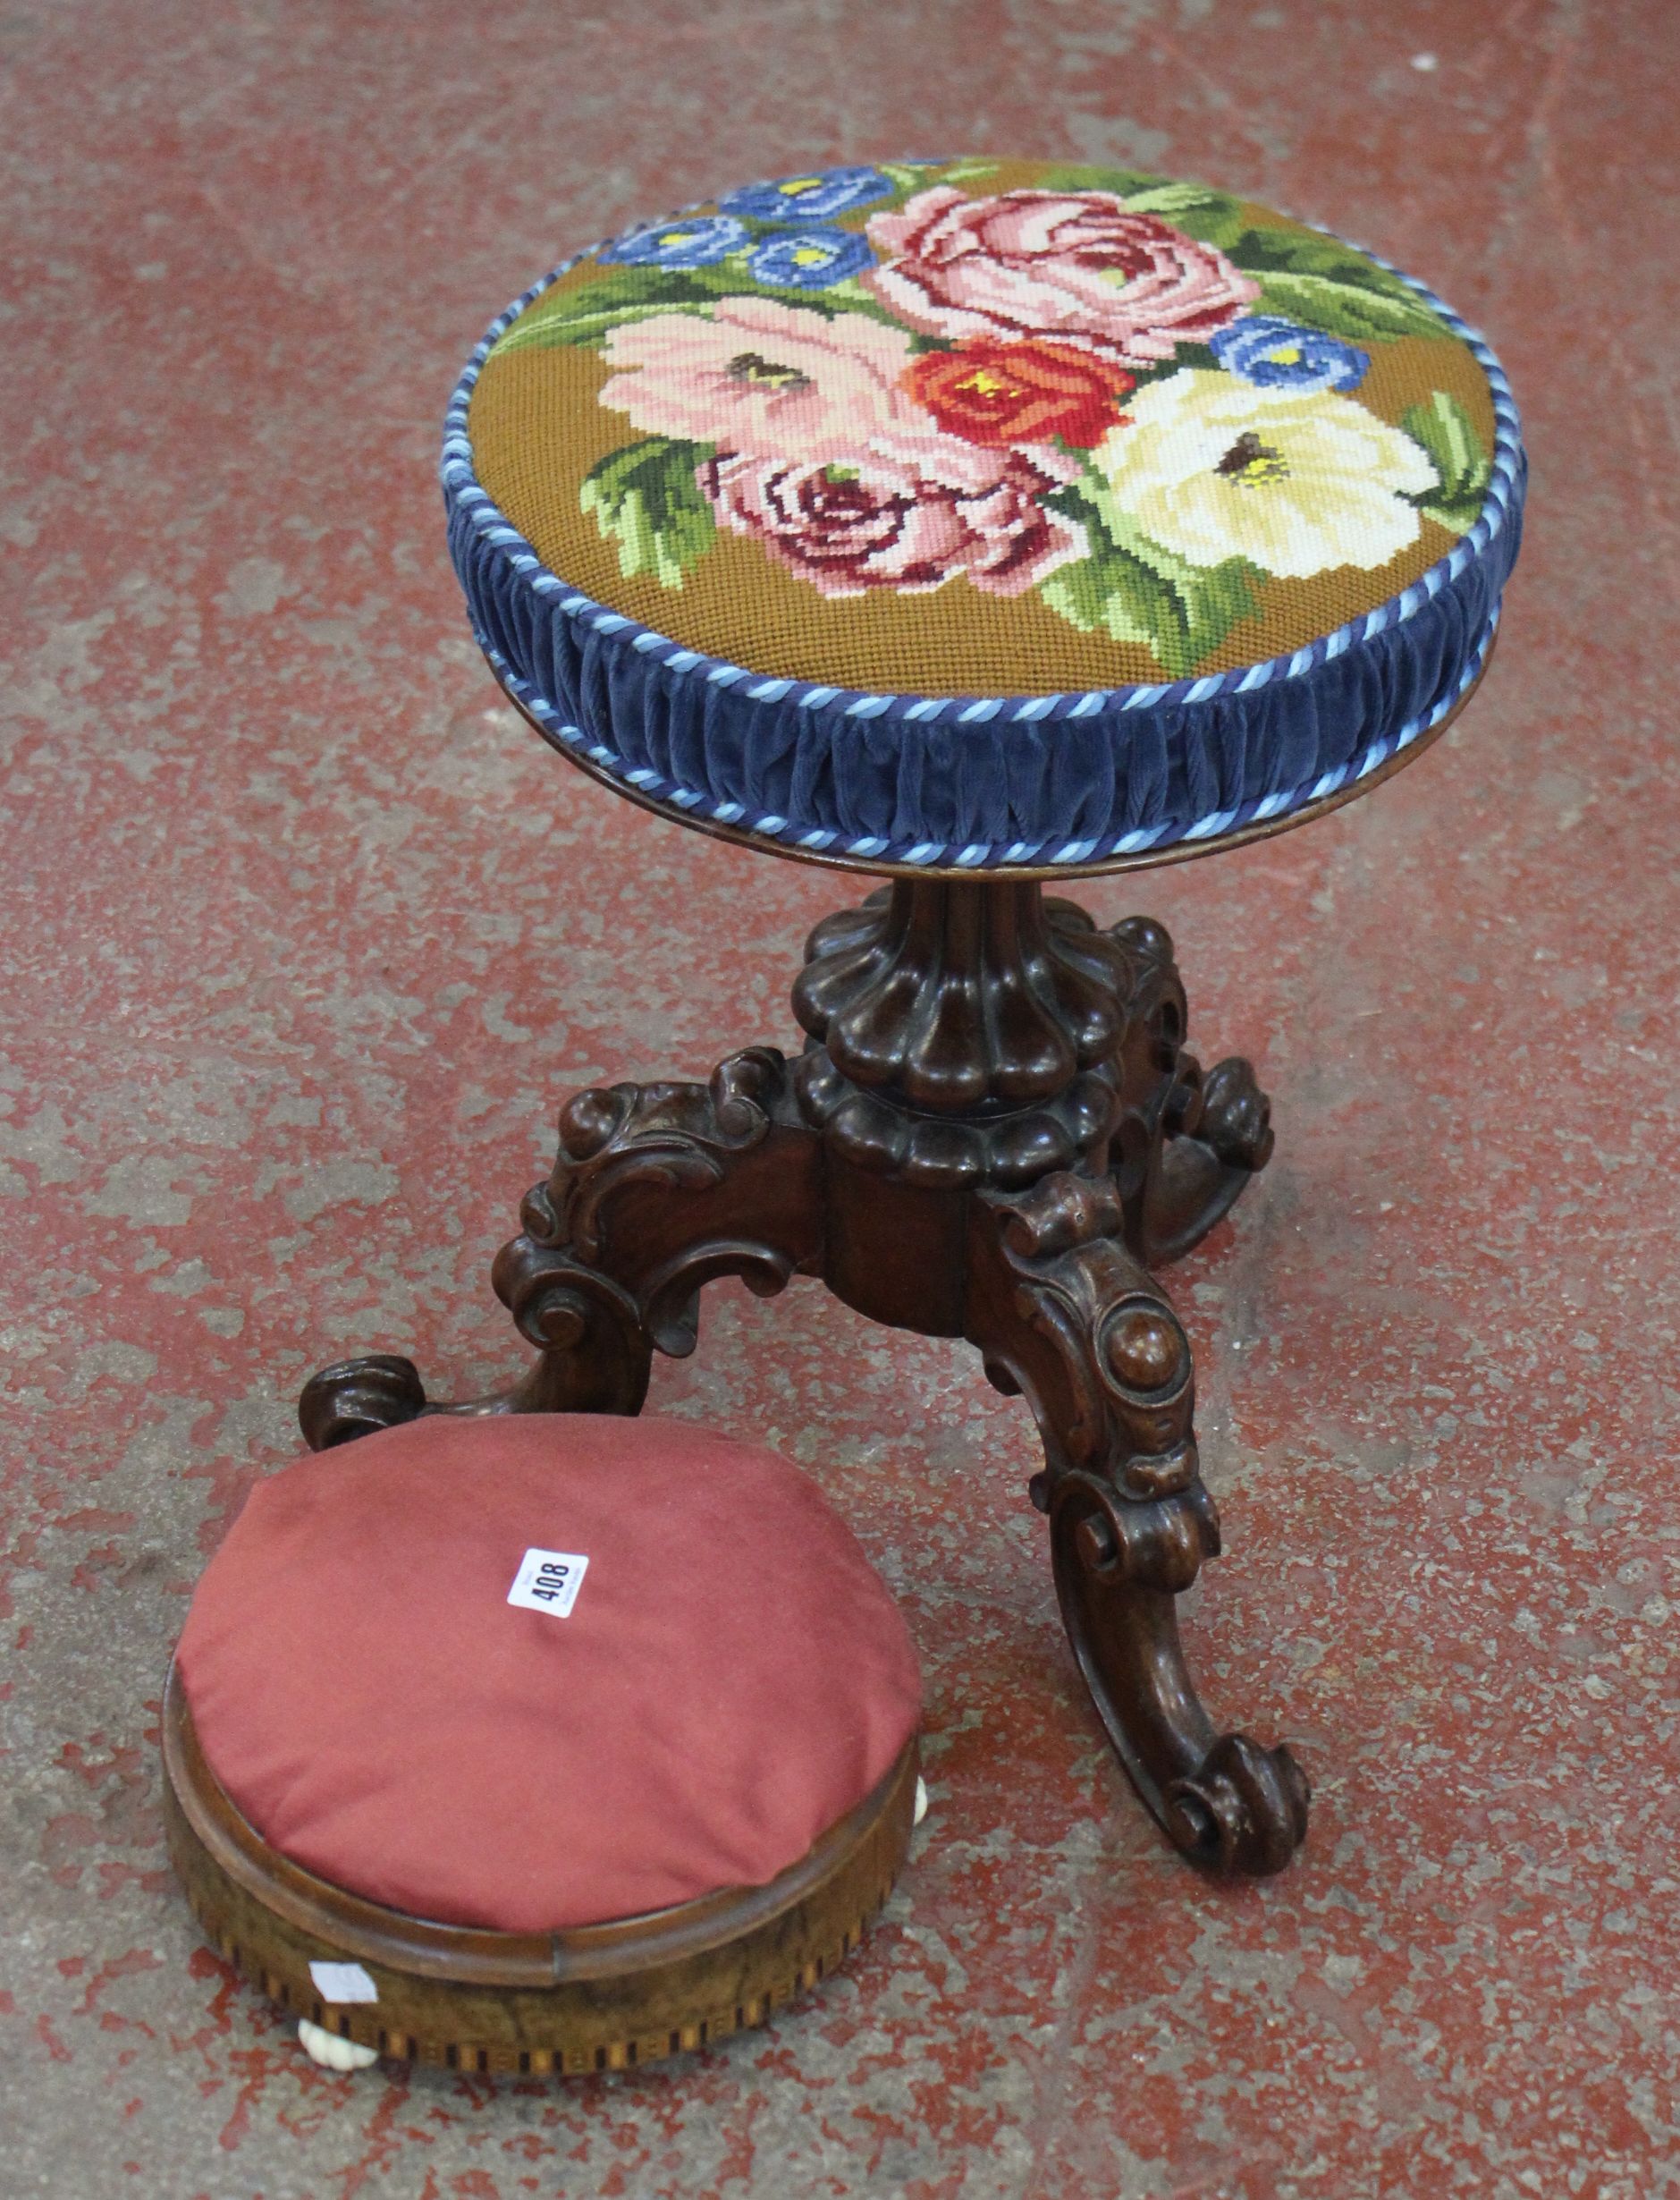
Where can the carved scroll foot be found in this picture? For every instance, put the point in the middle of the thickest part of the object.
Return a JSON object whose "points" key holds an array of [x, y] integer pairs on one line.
{"points": [[656, 1191], [354, 1397], [1185, 1141], [1221, 1137], [1069, 1318], [357, 1397], [1221, 1799]]}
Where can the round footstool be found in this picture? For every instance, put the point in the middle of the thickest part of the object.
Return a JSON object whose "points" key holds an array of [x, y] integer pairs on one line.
{"points": [[554, 1742]]}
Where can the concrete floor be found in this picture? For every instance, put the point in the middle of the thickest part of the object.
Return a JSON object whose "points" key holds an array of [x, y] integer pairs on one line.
{"points": [[304, 935]]}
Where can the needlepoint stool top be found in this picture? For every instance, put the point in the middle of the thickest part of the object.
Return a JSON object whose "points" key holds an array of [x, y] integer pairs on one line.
{"points": [[982, 512]]}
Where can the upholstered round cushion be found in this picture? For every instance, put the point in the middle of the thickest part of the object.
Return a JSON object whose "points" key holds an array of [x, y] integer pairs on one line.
{"points": [[983, 511], [731, 1681]]}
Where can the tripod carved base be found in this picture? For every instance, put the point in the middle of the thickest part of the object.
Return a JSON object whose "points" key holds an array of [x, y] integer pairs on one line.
{"points": [[995, 1132]]}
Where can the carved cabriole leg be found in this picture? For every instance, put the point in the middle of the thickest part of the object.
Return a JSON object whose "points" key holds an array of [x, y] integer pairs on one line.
{"points": [[1064, 1314], [656, 1191]]}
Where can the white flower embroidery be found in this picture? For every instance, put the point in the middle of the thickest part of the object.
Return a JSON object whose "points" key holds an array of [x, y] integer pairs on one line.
{"points": [[1295, 481]]}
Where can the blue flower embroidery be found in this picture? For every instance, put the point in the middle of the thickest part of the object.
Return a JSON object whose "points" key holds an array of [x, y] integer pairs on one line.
{"points": [[1278, 355], [809, 197], [697, 242], [810, 259]]}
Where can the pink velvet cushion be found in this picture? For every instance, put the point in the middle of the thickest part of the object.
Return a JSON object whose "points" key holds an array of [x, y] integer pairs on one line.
{"points": [[732, 1679]]}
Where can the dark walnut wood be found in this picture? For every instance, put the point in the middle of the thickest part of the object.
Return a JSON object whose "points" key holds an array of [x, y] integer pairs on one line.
{"points": [[599, 1998], [996, 1131]]}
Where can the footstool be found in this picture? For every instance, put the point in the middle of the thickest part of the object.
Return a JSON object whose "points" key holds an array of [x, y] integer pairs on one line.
{"points": [[973, 523], [552, 1745]]}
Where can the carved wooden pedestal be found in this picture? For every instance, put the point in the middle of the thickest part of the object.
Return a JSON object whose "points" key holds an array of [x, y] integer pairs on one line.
{"points": [[995, 1132]]}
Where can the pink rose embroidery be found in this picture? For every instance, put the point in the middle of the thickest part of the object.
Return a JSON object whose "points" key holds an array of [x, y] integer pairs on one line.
{"points": [[759, 376], [1074, 265], [908, 518]]}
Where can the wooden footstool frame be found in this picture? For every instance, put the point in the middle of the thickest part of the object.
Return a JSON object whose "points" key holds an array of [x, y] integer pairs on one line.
{"points": [[599, 1998]]}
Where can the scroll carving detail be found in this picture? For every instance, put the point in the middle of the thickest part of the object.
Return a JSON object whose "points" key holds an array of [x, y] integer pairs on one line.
{"points": [[1067, 1316]]}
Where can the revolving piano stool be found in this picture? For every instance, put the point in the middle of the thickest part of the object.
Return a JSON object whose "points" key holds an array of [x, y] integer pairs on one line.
{"points": [[970, 524]]}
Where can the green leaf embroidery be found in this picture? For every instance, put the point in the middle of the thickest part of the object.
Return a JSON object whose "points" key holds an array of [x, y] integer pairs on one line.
{"points": [[1121, 181], [1326, 285], [1449, 434], [585, 316], [911, 175], [646, 499], [1215, 218], [1133, 589], [847, 296], [1302, 251], [1345, 309]]}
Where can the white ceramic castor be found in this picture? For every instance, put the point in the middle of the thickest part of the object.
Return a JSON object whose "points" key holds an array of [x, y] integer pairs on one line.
{"points": [[332, 2052], [921, 1800]]}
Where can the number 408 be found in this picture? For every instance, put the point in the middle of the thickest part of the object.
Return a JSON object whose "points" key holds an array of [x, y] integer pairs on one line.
{"points": [[552, 1576]]}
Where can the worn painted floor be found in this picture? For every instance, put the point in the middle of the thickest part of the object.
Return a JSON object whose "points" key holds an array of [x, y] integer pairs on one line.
{"points": [[302, 936]]}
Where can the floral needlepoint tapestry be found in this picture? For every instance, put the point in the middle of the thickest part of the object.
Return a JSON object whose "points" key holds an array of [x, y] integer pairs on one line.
{"points": [[987, 426]]}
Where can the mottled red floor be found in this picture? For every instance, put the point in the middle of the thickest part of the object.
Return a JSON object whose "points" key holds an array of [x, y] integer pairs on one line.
{"points": [[304, 935]]}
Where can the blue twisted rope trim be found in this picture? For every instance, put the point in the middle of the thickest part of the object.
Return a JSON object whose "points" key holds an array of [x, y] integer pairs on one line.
{"points": [[484, 540]]}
